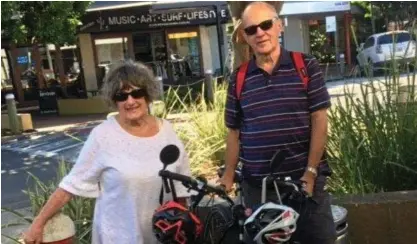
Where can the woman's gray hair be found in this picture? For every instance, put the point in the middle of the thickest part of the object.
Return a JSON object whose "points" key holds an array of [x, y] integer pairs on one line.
{"points": [[126, 73]]}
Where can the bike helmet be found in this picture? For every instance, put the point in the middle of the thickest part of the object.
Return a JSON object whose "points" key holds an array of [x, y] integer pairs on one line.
{"points": [[271, 223], [173, 223]]}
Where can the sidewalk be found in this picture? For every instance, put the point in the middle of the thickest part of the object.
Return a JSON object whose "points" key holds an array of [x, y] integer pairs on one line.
{"points": [[60, 123], [13, 231]]}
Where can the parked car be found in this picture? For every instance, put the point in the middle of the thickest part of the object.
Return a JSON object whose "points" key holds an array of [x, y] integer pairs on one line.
{"points": [[381, 48]]}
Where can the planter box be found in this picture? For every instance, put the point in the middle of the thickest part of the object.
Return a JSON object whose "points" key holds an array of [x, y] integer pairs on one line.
{"points": [[25, 122], [381, 218]]}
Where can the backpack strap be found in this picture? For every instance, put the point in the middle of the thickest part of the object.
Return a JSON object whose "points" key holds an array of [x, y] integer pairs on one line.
{"points": [[298, 60], [299, 64], [240, 78]]}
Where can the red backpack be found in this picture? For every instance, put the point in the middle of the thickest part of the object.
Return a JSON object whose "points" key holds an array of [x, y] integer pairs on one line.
{"points": [[298, 61]]}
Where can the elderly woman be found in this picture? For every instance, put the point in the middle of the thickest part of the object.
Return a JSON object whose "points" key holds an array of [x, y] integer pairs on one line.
{"points": [[119, 163]]}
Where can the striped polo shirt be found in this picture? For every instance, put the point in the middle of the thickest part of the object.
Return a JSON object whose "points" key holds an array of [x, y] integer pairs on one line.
{"points": [[274, 113]]}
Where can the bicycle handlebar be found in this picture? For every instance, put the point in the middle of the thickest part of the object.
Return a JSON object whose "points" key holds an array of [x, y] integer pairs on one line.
{"points": [[297, 185], [178, 177], [195, 184]]}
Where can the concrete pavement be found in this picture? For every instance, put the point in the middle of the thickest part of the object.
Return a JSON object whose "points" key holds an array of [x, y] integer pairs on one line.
{"points": [[13, 231]]}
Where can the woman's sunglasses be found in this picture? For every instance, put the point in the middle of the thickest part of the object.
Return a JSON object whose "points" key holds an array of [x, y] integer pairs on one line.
{"points": [[264, 25], [136, 94]]}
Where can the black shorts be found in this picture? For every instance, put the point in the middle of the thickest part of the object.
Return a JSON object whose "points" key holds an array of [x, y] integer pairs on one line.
{"points": [[315, 224]]}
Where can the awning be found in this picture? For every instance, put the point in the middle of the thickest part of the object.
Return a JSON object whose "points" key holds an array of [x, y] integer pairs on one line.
{"points": [[134, 16]]}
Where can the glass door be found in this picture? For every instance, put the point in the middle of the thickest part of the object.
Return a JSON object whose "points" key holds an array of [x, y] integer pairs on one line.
{"points": [[184, 53], [150, 48], [110, 49]]}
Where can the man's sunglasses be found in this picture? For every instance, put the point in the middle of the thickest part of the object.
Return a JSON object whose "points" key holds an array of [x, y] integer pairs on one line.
{"points": [[136, 94], [264, 25]]}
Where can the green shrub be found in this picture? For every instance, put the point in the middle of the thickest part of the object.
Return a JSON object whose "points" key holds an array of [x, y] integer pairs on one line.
{"points": [[204, 131], [373, 137]]}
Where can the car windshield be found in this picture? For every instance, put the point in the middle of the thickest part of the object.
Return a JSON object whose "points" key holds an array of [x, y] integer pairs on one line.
{"points": [[390, 38]]}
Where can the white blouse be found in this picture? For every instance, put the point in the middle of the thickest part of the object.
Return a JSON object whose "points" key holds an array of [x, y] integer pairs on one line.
{"points": [[121, 171]]}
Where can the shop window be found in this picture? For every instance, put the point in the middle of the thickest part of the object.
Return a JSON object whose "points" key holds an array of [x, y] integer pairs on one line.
{"points": [[110, 50], [150, 49], [184, 52], [369, 43]]}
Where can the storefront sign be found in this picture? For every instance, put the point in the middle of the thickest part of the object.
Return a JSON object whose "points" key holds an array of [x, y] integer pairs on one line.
{"points": [[314, 7], [330, 23], [48, 103], [22, 59], [133, 19]]}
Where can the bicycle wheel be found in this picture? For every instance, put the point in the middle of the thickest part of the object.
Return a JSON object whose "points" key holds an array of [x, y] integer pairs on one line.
{"points": [[217, 225]]}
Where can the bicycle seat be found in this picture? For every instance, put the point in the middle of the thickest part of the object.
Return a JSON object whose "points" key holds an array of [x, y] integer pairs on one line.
{"points": [[238, 174]]}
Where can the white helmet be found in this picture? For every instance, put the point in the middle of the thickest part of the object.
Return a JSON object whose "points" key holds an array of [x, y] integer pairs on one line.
{"points": [[271, 223]]}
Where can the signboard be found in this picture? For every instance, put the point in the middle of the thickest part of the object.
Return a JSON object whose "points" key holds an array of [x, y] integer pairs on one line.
{"points": [[314, 7], [130, 19], [22, 59], [48, 103], [330, 23]]}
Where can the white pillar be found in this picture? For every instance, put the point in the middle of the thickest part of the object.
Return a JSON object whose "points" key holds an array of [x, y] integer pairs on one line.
{"points": [[88, 62], [206, 48], [296, 35]]}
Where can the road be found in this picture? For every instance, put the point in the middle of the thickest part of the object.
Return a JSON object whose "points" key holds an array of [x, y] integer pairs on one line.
{"points": [[38, 153]]}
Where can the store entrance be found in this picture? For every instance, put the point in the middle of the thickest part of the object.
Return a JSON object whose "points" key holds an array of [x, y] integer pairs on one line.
{"points": [[173, 55], [150, 48], [184, 54]]}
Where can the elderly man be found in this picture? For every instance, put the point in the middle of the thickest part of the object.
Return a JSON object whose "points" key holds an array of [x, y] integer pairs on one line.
{"points": [[275, 111]]}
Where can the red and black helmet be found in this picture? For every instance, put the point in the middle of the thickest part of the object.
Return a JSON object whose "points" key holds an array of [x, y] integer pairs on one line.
{"points": [[173, 223]]}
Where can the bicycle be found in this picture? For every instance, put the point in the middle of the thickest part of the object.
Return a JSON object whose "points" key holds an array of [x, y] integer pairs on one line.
{"points": [[339, 213], [235, 212], [294, 194]]}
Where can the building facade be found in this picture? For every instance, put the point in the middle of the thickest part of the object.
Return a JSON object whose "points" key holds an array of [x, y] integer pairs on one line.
{"points": [[180, 41]]}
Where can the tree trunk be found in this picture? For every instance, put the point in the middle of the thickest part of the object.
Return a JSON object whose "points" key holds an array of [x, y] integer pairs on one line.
{"points": [[60, 66], [241, 50], [16, 79], [38, 66]]}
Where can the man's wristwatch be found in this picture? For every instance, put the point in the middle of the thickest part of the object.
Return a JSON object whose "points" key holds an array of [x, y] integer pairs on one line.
{"points": [[312, 170]]}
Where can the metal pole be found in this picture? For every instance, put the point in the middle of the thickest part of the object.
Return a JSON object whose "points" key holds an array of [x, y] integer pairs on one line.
{"points": [[336, 43], [161, 87], [12, 113], [219, 38], [208, 84], [342, 64]]}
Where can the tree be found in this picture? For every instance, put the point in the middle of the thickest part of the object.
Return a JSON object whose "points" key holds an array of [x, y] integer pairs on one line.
{"points": [[39, 22], [385, 12]]}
